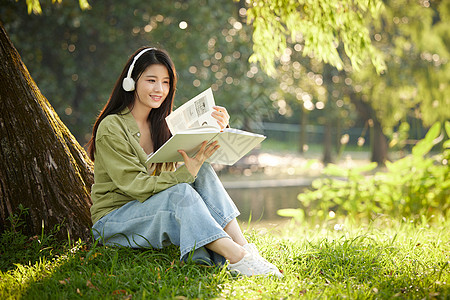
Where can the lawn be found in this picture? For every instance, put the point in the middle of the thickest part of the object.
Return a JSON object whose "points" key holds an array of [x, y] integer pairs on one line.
{"points": [[384, 259], [320, 256]]}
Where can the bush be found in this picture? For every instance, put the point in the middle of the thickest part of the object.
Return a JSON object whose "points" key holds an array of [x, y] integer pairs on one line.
{"points": [[416, 186]]}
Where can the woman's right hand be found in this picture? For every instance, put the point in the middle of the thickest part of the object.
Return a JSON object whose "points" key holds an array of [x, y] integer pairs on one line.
{"points": [[193, 164]]}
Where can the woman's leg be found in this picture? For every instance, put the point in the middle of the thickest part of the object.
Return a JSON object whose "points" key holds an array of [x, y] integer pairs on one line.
{"points": [[243, 257], [229, 249], [174, 216], [179, 216], [216, 198], [235, 232]]}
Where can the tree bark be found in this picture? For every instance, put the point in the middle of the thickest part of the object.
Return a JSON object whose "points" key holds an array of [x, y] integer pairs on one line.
{"points": [[379, 143], [327, 137], [42, 166], [303, 141], [327, 144]]}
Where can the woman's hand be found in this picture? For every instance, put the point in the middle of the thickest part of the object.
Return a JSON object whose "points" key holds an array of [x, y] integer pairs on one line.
{"points": [[222, 116], [193, 164]]}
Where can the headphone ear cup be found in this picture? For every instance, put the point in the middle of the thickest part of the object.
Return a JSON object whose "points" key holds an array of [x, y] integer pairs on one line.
{"points": [[128, 84]]}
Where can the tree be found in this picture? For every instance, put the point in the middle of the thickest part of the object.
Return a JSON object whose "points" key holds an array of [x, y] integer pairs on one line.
{"points": [[412, 38], [415, 87], [42, 166], [217, 56], [35, 5], [330, 32], [75, 63], [320, 25]]}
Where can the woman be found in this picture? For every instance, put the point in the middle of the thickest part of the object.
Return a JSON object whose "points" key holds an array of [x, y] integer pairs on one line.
{"points": [[137, 205]]}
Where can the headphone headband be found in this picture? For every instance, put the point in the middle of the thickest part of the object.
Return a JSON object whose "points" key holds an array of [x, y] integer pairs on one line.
{"points": [[128, 83]]}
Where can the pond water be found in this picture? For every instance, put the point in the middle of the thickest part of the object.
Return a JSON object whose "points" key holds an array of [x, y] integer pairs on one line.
{"points": [[263, 202]]}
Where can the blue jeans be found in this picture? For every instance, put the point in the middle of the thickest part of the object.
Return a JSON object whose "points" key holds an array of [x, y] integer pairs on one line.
{"points": [[187, 215]]}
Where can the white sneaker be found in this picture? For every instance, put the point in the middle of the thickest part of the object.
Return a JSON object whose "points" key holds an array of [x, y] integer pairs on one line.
{"points": [[253, 264], [251, 248]]}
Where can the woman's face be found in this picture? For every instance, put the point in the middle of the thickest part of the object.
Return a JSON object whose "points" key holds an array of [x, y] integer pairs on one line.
{"points": [[152, 87]]}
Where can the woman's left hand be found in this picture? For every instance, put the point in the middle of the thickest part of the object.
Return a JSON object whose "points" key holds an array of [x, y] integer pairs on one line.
{"points": [[193, 164], [220, 113]]}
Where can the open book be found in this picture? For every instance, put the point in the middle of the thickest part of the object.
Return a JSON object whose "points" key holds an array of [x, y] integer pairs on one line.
{"points": [[192, 123]]}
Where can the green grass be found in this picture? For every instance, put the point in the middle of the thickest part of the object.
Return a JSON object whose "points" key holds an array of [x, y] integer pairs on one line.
{"points": [[382, 260]]}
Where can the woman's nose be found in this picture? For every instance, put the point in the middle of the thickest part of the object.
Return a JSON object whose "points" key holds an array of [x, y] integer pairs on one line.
{"points": [[158, 86]]}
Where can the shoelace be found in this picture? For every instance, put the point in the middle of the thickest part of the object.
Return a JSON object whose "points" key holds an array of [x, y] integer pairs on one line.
{"points": [[255, 254], [260, 265], [267, 264]]}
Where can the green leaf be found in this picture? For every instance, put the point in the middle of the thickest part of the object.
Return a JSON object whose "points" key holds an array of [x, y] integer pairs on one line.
{"points": [[84, 4], [447, 128], [298, 214], [424, 146], [34, 6], [317, 184], [365, 168], [335, 170], [321, 30]]}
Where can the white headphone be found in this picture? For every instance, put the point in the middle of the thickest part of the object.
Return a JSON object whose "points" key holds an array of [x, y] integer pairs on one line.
{"points": [[128, 83]]}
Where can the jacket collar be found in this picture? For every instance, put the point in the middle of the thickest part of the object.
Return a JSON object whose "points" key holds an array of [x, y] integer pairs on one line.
{"points": [[130, 121]]}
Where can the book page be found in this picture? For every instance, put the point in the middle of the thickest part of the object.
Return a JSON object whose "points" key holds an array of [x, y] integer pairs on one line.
{"points": [[190, 143], [194, 113], [242, 132], [203, 129], [234, 144]]}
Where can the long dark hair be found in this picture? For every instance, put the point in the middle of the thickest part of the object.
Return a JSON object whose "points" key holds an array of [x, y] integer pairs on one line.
{"points": [[120, 98]]}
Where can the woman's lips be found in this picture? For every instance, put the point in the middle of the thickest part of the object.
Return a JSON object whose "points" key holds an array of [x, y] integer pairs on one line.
{"points": [[156, 98]]}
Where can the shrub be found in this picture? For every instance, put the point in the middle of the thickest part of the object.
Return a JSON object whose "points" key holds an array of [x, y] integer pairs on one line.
{"points": [[416, 186]]}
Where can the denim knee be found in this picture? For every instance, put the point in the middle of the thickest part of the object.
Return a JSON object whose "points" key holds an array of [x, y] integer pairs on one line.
{"points": [[189, 195], [205, 170]]}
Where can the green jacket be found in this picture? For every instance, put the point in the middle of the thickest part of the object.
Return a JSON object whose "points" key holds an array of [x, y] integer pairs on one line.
{"points": [[120, 172]]}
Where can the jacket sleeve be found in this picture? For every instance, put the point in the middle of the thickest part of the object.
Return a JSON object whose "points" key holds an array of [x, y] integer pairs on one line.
{"points": [[122, 164]]}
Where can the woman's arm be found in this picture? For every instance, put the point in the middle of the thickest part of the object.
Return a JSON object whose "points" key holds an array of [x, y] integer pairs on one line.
{"points": [[120, 161]]}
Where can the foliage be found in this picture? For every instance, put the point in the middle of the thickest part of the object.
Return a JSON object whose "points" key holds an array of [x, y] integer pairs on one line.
{"points": [[64, 60], [16, 248], [319, 25], [35, 5], [76, 63], [414, 42], [412, 37], [416, 186], [384, 260], [311, 92]]}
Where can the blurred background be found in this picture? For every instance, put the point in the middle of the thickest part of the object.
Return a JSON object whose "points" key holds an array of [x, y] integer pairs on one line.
{"points": [[311, 113]]}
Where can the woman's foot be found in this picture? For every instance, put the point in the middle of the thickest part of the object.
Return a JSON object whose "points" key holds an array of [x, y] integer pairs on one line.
{"points": [[254, 264]]}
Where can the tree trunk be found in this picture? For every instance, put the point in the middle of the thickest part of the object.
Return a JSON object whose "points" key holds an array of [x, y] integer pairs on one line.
{"points": [[327, 144], [327, 137], [303, 130], [379, 144], [42, 166]]}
